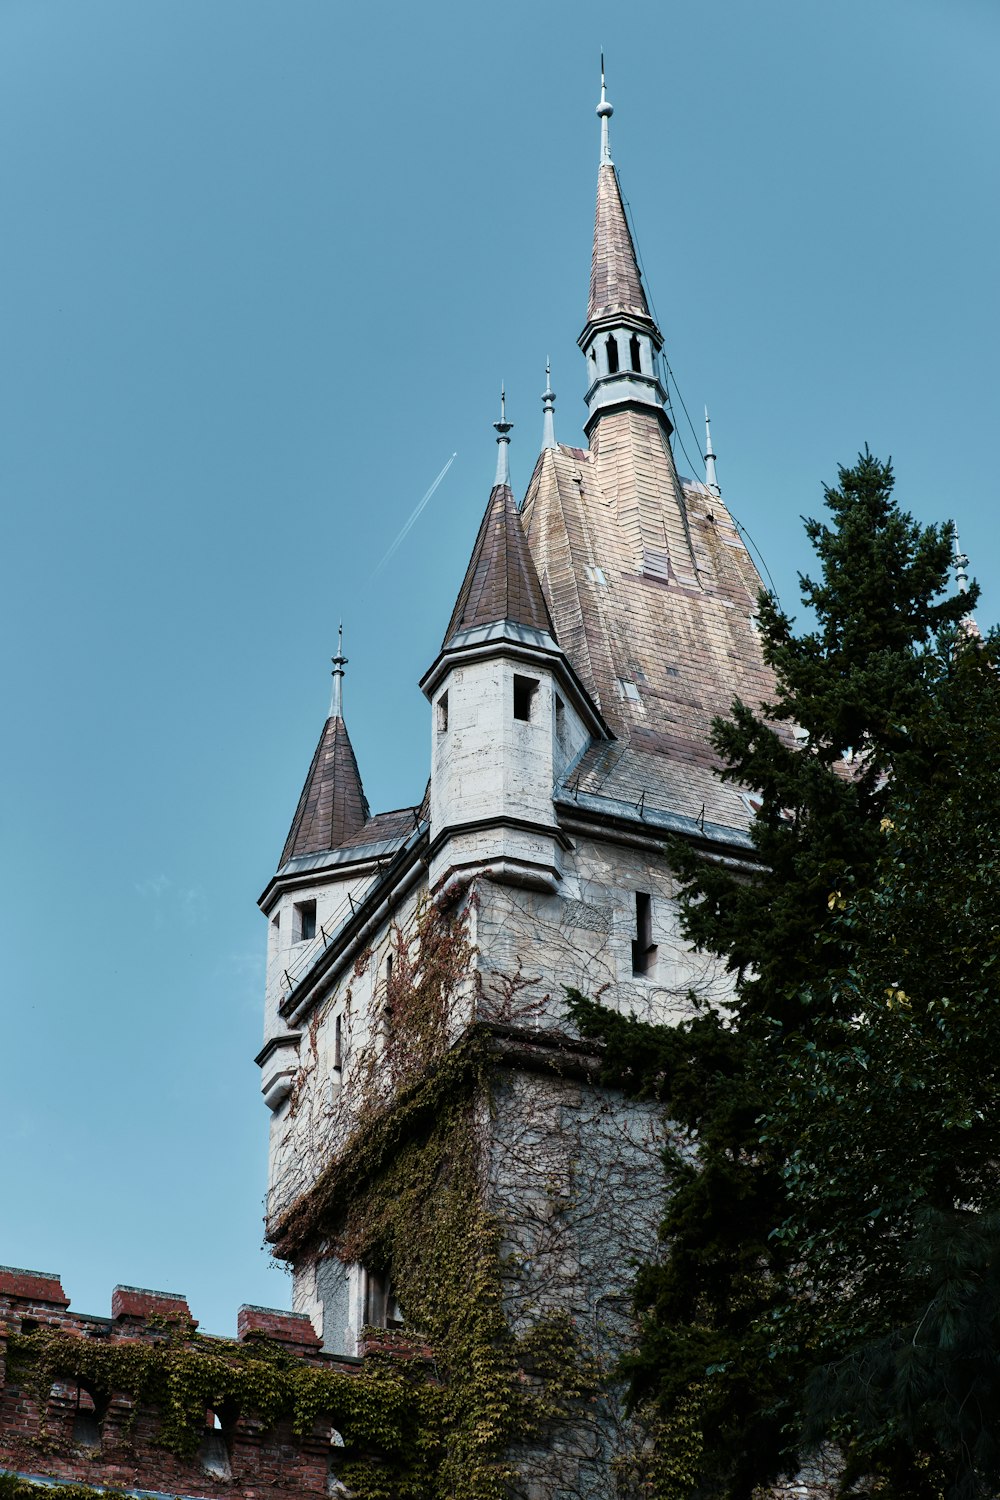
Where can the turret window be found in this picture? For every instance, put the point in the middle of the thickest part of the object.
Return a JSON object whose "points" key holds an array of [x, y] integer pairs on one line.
{"points": [[560, 724], [442, 714], [611, 348], [634, 352], [305, 921], [643, 947], [525, 689]]}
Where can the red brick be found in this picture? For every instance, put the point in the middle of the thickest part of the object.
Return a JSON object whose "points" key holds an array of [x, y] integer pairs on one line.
{"points": [[139, 1302], [32, 1286]]}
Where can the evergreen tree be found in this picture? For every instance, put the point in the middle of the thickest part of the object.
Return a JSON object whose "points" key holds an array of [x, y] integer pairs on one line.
{"points": [[853, 700]]}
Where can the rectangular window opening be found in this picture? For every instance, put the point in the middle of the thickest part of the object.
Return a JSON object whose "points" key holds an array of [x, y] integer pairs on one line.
{"points": [[338, 1042], [305, 921], [560, 723], [442, 714], [382, 1309], [643, 947], [525, 689]]}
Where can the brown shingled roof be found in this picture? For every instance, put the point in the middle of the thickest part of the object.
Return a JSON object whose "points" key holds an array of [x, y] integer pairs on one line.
{"points": [[615, 282], [501, 581], [653, 595], [332, 806]]}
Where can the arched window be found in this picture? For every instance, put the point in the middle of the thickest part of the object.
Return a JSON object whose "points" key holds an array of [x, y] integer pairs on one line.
{"points": [[214, 1453], [634, 352], [612, 351]]}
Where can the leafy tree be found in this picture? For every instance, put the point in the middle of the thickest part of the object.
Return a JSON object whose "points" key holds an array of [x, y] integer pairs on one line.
{"points": [[722, 1329], [888, 1124]]}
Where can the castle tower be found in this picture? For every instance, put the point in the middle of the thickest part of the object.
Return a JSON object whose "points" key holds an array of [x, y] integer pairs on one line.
{"points": [[417, 1062], [508, 712]]}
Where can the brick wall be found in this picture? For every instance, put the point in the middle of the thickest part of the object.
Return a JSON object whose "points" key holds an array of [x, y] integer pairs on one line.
{"points": [[118, 1447]]}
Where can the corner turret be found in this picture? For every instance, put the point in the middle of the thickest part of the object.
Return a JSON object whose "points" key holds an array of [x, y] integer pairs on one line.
{"points": [[509, 713]]}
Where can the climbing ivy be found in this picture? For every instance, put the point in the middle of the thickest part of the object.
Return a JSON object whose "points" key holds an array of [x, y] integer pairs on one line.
{"points": [[387, 1406], [405, 1195]]}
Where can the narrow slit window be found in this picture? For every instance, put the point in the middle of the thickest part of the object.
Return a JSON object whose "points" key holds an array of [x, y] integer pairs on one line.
{"points": [[643, 947], [442, 714], [338, 1042], [560, 723], [525, 689], [612, 351], [635, 353], [305, 921]]}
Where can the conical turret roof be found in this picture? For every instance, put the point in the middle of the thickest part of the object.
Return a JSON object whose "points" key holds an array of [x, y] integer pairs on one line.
{"points": [[615, 280], [332, 805], [501, 581]]}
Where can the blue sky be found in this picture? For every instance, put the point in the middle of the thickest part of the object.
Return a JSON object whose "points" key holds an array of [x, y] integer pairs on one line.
{"points": [[264, 265]]}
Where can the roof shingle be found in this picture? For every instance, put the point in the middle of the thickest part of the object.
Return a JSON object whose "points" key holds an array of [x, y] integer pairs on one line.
{"points": [[615, 279], [332, 806], [501, 581]]}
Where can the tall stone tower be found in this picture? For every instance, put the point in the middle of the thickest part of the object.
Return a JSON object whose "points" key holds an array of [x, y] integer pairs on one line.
{"points": [[442, 1154]]}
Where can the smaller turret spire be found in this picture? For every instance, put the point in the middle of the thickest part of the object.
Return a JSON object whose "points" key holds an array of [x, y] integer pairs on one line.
{"points": [[503, 428], [548, 411], [605, 111], [711, 482], [339, 663]]}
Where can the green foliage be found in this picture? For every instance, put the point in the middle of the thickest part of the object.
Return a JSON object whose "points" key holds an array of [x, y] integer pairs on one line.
{"points": [[728, 1318], [898, 1247], [183, 1375], [13, 1487]]}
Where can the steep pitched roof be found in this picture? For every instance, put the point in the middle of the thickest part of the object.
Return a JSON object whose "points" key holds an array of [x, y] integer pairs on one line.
{"points": [[615, 281], [653, 595], [332, 806], [501, 581]]}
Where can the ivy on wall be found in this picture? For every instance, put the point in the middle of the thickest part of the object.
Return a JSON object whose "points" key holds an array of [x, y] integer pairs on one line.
{"points": [[406, 1196]]}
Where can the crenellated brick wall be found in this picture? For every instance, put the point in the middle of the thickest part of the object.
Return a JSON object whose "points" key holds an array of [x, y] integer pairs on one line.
{"points": [[118, 1447]]}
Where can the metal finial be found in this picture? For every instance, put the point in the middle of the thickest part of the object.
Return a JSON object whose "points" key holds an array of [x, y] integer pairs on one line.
{"points": [[605, 112], [711, 481], [503, 428], [339, 663], [548, 411], [960, 562]]}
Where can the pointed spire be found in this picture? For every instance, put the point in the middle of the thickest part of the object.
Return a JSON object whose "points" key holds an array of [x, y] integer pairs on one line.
{"points": [[332, 805], [501, 581], [615, 279], [339, 663], [548, 411], [503, 427], [711, 481], [620, 339], [605, 111]]}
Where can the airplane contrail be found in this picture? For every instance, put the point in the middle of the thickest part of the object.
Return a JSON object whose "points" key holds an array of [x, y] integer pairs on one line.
{"points": [[416, 514]]}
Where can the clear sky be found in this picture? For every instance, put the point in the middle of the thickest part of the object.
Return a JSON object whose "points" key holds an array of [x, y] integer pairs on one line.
{"points": [[264, 264]]}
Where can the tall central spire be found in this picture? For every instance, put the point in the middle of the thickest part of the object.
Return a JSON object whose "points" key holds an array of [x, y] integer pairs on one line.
{"points": [[620, 339]]}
